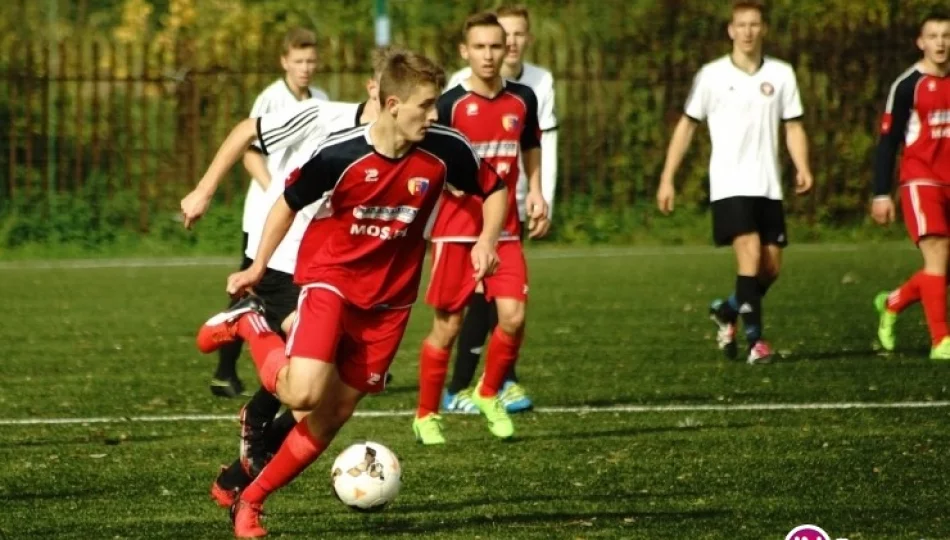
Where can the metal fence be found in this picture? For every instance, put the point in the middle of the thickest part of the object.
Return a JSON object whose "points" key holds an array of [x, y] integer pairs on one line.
{"points": [[145, 118]]}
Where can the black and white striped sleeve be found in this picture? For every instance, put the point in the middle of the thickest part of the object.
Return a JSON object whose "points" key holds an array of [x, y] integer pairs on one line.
{"points": [[309, 119]]}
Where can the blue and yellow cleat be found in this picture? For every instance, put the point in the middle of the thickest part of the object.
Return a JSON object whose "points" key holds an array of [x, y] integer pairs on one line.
{"points": [[460, 403], [514, 398]]}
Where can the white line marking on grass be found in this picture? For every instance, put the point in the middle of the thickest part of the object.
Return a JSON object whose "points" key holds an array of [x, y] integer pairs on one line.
{"points": [[542, 410], [542, 254]]}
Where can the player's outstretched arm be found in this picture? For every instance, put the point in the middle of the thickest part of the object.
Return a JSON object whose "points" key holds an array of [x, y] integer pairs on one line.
{"points": [[256, 166], [196, 203], [278, 223], [797, 142], [679, 144]]}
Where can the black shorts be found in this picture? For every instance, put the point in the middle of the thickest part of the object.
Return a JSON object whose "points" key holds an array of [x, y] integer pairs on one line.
{"points": [[280, 294], [245, 260], [735, 216]]}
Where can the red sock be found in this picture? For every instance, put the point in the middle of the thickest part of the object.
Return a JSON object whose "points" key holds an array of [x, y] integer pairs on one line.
{"points": [[267, 348], [933, 293], [904, 296], [502, 354], [433, 365], [298, 451]]}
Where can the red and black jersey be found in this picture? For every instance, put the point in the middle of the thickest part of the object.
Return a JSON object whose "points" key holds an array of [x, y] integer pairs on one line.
{"points": [[500, 128], [918, 115], [366, 241]]}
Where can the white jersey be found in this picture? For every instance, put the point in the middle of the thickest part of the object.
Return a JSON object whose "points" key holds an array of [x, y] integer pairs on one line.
{"points": [[744, 112], [345, 116], [274, 98], [541, 82]]}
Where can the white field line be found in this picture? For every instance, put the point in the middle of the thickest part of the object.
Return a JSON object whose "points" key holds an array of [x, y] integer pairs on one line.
{"points": [[617, 409], [544, 254]]}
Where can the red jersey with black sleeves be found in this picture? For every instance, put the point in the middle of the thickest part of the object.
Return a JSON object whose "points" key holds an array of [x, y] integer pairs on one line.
{"points": [[499, 128], [366, 241], [918, 115]]}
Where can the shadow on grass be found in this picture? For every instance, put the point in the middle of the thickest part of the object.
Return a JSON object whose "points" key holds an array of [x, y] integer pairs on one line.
{"points": [[623, 432], [550, 521], [86, 440]]}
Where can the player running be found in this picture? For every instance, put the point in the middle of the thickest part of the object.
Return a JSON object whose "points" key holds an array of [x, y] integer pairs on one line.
{"points": [[917, 114], [359, 265], [262, 430]]}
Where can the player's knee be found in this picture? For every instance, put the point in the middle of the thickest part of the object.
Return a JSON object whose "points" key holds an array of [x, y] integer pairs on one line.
{"points": [[445, 329], [299, 397], [936, 253], [511, 320]]}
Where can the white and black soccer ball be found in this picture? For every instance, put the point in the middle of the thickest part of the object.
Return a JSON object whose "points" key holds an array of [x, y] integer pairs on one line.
{"points": [[366, 476]]}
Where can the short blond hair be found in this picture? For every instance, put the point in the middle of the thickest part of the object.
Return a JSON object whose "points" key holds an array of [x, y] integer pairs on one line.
{"points": [[381, 56], [403, 71], [514, 10]]}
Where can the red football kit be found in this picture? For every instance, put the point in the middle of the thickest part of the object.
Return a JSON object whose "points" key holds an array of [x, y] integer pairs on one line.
{"points": [[918, 115], [360, 260], [500, 128]]}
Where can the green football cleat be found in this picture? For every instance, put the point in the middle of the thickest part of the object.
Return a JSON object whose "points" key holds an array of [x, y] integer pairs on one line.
{"points": [[499, 423], [941, 351], [428, 430], [885, 325]]}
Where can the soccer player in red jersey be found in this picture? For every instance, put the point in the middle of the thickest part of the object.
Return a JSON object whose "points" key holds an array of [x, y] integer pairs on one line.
{"points": [[501, 119], [359, 265], [918, 115]]}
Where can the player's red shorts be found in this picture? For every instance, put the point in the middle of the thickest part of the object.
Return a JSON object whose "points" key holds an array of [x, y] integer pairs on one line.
{"points": [[926, 209], [361, 342], [452, 283]]}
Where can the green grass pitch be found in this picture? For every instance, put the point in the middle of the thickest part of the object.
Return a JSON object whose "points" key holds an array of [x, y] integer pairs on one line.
{"points": [[606, 328]]}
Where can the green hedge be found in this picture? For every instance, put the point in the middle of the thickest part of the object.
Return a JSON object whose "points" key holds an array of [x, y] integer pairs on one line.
{"points": [[623, 70]]}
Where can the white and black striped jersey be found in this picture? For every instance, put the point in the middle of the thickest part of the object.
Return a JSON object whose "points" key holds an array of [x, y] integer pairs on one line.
{"points": [[275, 97], [285, 257]]}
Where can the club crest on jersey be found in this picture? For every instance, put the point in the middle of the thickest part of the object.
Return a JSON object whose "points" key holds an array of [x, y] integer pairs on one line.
{"points": [[932, 85], [418, 185], [372, 175], [767, 89], [503, 168], [471, 109], [509, 122]]}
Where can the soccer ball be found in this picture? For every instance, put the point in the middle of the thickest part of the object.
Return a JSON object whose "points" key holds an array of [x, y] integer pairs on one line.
{"points": [[366, 476]]}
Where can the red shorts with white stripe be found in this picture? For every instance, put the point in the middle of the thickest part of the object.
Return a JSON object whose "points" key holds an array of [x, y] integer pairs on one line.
{"points": [[362, 343], [926, 209], [452, 283]]}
